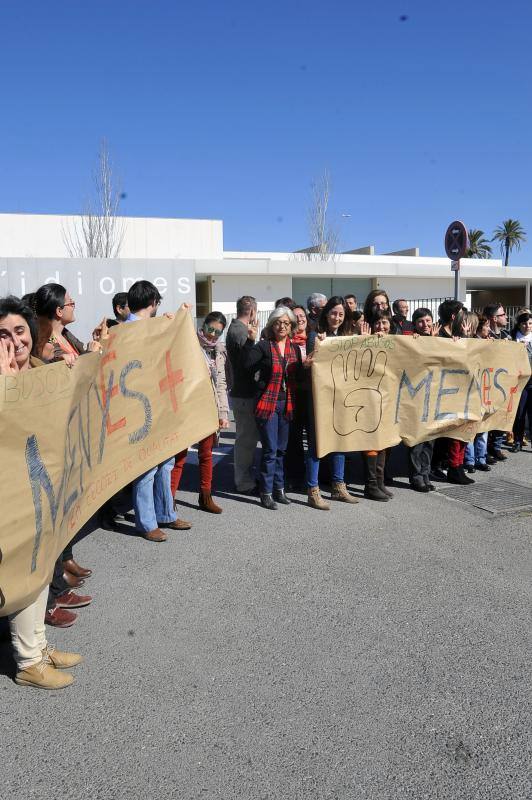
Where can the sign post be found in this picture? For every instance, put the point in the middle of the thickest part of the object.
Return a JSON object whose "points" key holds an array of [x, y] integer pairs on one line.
{"points": [[456, 246]]}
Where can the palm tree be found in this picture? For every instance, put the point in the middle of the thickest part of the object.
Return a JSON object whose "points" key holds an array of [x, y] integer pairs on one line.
{"points": [[510, 234], [478, 245]]}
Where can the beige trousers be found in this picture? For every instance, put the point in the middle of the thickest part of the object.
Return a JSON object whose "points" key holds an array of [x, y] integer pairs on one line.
{"points": [[28, 635]]}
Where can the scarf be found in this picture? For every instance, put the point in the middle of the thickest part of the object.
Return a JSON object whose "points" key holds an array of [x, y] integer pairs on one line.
{"points": [[209, 351], [301, 340], [282, 368]]}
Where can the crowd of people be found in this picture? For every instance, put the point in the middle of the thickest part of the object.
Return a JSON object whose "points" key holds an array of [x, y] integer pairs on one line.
{"points": [[263, 377]]}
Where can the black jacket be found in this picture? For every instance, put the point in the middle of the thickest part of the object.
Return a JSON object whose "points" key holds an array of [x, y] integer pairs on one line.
{"points": [[236, 341], [258, 358], [402, 325]]}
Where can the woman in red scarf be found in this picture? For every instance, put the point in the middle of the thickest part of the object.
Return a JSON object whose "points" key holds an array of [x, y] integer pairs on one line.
{"points": [[277, 360]]}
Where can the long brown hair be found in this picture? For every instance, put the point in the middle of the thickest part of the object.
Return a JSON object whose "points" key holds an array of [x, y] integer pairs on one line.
{"points": [[369, 313], [323, 322]]}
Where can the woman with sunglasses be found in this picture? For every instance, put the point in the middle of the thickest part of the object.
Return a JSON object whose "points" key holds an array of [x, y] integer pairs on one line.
{"points": [[215, 356]]}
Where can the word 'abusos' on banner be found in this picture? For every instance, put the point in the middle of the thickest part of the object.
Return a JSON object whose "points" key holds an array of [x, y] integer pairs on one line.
{"points": [[71, 439], [372, 392]]}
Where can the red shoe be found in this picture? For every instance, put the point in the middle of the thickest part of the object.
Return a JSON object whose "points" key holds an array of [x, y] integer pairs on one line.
{"points": [[70, 599], [60, 618]]}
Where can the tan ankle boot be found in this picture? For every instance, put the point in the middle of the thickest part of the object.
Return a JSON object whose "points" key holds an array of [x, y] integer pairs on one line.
{"points": [[315, 500], [43, 676], [339, 492], [59, 659], [206, 503]]}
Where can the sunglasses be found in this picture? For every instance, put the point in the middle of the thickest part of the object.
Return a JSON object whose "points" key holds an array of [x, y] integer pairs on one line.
{"points": [[212, 331]]}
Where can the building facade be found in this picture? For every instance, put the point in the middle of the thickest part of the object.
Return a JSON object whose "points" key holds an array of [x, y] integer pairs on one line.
{"points": [[187, 261]]}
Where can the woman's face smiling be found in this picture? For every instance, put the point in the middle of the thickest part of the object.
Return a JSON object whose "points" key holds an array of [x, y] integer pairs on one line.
{"points": [[15, 329], [301, 318], [335, 317], [382, 325], [526, 327]]}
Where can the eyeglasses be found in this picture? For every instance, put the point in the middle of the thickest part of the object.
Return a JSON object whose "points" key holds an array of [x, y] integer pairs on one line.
{"points": [[71, 304], [281, 323], [212, 331]]}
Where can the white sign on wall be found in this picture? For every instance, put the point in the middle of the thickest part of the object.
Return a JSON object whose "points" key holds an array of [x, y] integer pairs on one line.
{"points": [[93, 282]]}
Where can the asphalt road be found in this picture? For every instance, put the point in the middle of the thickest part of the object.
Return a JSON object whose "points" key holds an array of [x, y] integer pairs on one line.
{"points": [[376, 651]]}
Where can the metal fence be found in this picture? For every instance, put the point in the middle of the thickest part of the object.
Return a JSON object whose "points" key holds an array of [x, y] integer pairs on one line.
{"points": [[431, 303]]}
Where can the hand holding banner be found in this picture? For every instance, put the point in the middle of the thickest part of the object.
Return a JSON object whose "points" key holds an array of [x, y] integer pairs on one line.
{"points": [[71, 438], [372, 392]]}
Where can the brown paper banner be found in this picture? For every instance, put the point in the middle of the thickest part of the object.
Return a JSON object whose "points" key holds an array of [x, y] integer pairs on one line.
{"points": [[373, 392], [71, 439]]}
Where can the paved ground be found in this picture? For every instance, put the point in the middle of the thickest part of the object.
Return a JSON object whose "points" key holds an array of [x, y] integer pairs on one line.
{"points": [[377, 651]]}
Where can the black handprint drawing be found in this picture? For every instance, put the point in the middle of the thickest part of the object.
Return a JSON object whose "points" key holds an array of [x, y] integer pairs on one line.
{"points": [[357, 400]]}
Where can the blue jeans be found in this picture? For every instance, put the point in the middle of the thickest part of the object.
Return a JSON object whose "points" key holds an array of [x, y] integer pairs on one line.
{"points": [[476, 450], [337, 460], [152, 497], [496, 440], [274, 439]]}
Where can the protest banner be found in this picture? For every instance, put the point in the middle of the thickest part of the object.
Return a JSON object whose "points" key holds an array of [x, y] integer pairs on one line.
{"points": [[71, 438], [372, 392]]}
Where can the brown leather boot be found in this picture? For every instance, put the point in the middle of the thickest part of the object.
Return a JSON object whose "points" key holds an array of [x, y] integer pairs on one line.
{"points": [[371, 489], [339, 492], [206, 503], [155, 536], [315, 500], [74, 568], [381, 463]]}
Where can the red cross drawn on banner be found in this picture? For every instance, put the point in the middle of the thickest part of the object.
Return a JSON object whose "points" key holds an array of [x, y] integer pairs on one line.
{"points": [[172, 380]]}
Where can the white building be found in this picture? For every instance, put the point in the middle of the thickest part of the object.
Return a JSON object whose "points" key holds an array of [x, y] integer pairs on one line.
{"points": [[195, 248]]}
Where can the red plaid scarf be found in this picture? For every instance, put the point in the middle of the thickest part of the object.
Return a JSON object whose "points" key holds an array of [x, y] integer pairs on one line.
{"points": [[268, 399]]}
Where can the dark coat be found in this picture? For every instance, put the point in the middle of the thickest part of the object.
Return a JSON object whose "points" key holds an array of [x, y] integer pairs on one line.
{"points": [[258, 358]]}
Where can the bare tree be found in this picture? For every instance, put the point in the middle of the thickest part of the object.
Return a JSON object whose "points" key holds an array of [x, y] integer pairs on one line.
{"points": [[99, 231], [324, 237]]}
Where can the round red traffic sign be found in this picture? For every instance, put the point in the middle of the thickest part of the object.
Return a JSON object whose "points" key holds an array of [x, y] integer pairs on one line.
{"points": [[456, 241]]}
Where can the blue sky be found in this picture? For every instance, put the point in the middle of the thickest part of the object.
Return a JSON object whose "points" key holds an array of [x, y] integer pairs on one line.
{"points": [[231, 109]]}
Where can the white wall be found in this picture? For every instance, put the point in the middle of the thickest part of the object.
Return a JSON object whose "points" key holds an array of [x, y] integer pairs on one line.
{"points": [[41, 235], [92, 282], [418, 288], [226, 289]]}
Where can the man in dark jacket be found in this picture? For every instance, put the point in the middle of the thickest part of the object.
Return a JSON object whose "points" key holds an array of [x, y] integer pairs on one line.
{"points": [[399, 319], [243, 391]]}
